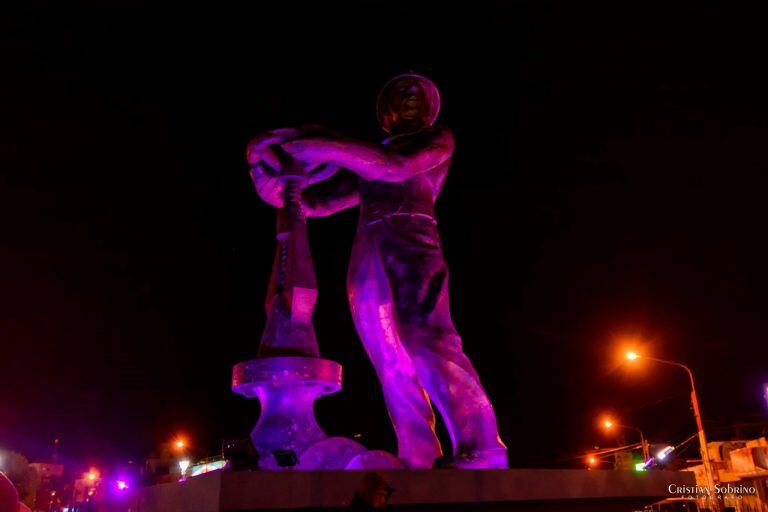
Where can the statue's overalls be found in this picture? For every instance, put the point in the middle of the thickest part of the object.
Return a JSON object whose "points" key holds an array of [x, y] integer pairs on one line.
{"points": [[398, 291]]}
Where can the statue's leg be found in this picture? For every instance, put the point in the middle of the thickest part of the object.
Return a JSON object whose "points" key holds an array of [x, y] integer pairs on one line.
{"points": [[373, 313], [419, 280], [453, 385]]}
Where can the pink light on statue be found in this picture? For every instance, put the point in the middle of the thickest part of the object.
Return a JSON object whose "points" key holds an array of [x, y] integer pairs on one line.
{"points": [[397, 286], [397, 281]]}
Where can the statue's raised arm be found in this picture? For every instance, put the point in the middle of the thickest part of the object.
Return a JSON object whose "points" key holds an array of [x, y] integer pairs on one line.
{"points": [[380, 162]]}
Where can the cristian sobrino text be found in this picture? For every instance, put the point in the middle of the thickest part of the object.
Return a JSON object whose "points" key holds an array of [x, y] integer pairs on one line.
{"points": [[694, 490]]}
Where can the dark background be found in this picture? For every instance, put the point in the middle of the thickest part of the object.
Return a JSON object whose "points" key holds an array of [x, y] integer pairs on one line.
{"points": [[608, 182]]}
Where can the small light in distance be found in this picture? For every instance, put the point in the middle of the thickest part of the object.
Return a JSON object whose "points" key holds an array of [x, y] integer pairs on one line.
{"points": [[663, 453], [122, 485]]}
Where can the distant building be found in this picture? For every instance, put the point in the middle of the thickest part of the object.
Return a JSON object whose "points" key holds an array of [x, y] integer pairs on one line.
{"points": [[740, 464], [85, 492], [163, 466], [48, 470], [51, 491]]}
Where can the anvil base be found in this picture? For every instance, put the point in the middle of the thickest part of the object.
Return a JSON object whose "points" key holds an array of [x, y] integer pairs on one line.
{"points": [[287, 435]]}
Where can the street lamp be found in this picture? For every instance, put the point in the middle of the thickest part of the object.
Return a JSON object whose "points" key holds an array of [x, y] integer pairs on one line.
{"points": [[609, 424], [179, 444], [696, 413]]}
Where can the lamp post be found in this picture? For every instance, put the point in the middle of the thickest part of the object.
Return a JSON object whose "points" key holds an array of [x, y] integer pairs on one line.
{"points": [[696, 413], [609, 424]]}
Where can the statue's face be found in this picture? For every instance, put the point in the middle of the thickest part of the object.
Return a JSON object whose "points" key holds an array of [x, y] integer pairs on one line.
{"points": [[409, 106], [407, 103]]}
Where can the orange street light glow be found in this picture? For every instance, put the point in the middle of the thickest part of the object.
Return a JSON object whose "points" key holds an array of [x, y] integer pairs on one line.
{"points": [[179, 444], [608, 424], [91, 476], [632, 356], [591, 460]]}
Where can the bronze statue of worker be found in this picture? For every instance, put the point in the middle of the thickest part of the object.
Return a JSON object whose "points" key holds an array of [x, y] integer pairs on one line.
{"points": [[398, 280]]}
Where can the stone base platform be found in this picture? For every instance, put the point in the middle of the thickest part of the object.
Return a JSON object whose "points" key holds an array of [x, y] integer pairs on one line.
{"points": [[438, 490]]}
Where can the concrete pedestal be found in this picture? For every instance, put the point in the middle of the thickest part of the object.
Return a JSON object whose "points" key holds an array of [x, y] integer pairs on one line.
{"points": [[443, 490]]}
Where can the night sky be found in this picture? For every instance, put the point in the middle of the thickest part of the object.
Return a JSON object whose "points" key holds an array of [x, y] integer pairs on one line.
{"points": [[609, 181]]}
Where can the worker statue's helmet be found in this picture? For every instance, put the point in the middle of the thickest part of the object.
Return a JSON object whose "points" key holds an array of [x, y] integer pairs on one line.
{"points": [[395, 94]]}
